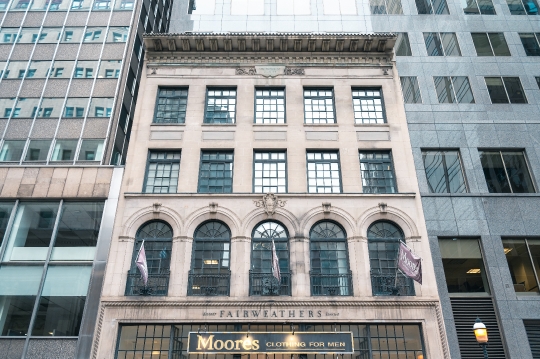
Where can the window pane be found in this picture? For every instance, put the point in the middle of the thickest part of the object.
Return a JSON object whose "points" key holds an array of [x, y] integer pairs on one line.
{"points": [[76, 107], [530, 44], [162, 172], [470, 7], [64, 150], [463, 266], [481, 44], [463, 89], [534, 248], [440, 7], [411, 90], [368, 105], [78, 231], [216, 172], [498, 42], [486, 7], [171, 105], [433, 44], [515, 7], [394, 7], [19, 286], [220, 105], [450, 44], [494, 172], [91, 150], [12, 151], [377, 172], [518, 173], [424, 7], [403, 46], [445, 92], [319, 105], [109, 68], [456, 179], [101, 107], [435, 171], [496, 90], [38, 150], [62, 301], [31, 232], [270, 105], [521, 269], [514, 89], [269, 172], [323, 172]]}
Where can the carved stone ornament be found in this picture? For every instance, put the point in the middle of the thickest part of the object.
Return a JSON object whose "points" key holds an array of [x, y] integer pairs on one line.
{"points": [[246, 71], [382, 207], [157, 207], [327, 207], [270, 203], [270, 71], [213, 207], [152, 70], [294, 71]]}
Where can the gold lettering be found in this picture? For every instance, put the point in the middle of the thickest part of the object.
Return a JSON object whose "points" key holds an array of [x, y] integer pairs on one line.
{"points": [[220, 343], [231, 345], [246, 344], [255, 345], [238, 342], [205, 344]]}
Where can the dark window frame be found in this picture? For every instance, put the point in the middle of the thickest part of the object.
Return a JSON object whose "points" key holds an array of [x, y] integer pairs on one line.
{"points": [[220, 88], [381, 97], [284, 151], [488, 37], [273, 88], [156, 106], [508, 98], [391, 161], [338, 161], [527, 164], [536, 36], [454, 93], [444, 150], [317, 88], [148, 161], [225, 151]]}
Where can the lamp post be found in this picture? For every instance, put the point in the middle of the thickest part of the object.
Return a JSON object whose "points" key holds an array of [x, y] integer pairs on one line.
{"points": [[480, 332]]}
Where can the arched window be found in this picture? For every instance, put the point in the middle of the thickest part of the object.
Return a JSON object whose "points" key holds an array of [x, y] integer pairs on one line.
{"points": [[383, 245], [262, 281], [330, 273], [157, 238], [210, 261]]}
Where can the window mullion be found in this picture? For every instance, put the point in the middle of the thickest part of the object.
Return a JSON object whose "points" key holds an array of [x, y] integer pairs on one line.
{"points": [[453, 87], [505, 90], [9, 229], [446, 178], [442, 44], [532, 262], [490, 44], [506, 172]]}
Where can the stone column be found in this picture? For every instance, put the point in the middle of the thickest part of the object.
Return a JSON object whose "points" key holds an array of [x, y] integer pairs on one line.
{"points": [[180, 265], [360, 267], [240, 265], [299, 262]]}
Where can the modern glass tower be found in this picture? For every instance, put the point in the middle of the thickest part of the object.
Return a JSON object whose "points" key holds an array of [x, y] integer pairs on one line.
{"points": [[470, 77]]}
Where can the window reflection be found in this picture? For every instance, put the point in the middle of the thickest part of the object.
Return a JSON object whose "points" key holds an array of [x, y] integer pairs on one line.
{"points": [[110, 69], [12, 151], [523, 256]]}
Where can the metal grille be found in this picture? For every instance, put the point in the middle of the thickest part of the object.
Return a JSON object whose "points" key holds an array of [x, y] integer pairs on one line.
{"points": [[270, 172], [330, 273], [270, 106], [157, 236], [323, 172], [266, 284], [465, 311], [377, 172], [533, 333], [220, 106], [319, 106], [171, 105], [162, 172], [371, 341], [216, 172], [368, 106], [383, 245], [209, 284], [261, 258]]}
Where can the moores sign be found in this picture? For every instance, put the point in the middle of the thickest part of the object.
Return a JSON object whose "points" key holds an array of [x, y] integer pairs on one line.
{"points": [[270, 342]]}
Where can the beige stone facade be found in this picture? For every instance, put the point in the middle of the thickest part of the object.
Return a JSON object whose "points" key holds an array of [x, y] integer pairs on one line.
{"points": [[339, 62]]}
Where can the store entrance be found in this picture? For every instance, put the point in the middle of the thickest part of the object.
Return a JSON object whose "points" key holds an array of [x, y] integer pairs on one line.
{"points": [[370, 341]]}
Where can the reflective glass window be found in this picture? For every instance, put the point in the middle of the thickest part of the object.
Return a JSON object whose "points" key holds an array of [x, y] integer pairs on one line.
{"points": [[62, 69], [477, 7], [403, 46], [50, 35], [171, 105], [220, 105], [490, 44], [410, 89], [9, 35], [455, 89], [81, 5], [216, 172], [506, 172], [101, 107], [162, 172], [505, 90], [523, 7], [26, 107], [91, 150], [76, 107], [444, 171], [270, 172], [118, 34], [323, 172], [16, 69], [368, 105], [523, 257], [64, 150], [377, 172], [6, 108], [438, 7], [385, 7], [319, 105], [110, 69], [94, 34], [72, 34], [201, 7], [12, 150], [530, 43], [441, 44], [269, 105]]}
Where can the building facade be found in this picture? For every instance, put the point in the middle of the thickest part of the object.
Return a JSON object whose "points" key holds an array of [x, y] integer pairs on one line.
{"points": [[69, 79], [470, 78], [249, 142]]}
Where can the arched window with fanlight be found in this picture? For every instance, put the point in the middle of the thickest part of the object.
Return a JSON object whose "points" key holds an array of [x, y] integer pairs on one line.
{"points": [[157, 239], [263, 279], [210, 272], [330, 272], [383, 244]]}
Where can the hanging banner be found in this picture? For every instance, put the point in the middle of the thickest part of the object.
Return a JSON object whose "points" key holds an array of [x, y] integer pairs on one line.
{"points": [[409, 263], [270, 342]]}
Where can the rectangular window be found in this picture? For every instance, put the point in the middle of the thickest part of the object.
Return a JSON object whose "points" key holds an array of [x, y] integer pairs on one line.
{"points": [[454, 89], [216, 172], [323, 172], [463, 266], [444, 171], [505, 90], [269, 105], [506, 172], [538, 81], [220, 105], [91, 150], [377, 172], [38, 150], [171, 105], [162, 172], [339, 7], [64, 150], [293, 7], [410, 89], [523, 256], [523, 7], [490, 44], [270, 172], [12, 151], [530, 43], [247, 7], [403, 46], [437, 7], [442, 44], [477, 7], [385, 7], [368, 106], [319, 105]]}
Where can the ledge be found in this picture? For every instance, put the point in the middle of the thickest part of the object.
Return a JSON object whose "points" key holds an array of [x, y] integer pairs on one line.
{"points": [[258, 195]]}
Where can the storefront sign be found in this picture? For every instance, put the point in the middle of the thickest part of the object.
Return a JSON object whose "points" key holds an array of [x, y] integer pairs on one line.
{"points": [[270, 342], [270, 313]]}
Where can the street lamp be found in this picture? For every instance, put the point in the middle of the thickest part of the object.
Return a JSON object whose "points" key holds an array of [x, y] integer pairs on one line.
{"points": [[480, 332]]}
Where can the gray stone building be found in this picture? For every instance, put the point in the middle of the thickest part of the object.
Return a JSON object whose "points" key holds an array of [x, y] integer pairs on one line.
{"points": [[470, 77], [69, 75]]}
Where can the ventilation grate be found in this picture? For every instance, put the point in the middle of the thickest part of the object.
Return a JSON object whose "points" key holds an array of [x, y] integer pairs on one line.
{"points": [[533, 333], [465, 311]]}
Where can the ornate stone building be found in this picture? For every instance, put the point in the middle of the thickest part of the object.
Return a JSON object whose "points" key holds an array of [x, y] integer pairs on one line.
{"points": [[250, 142]]}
